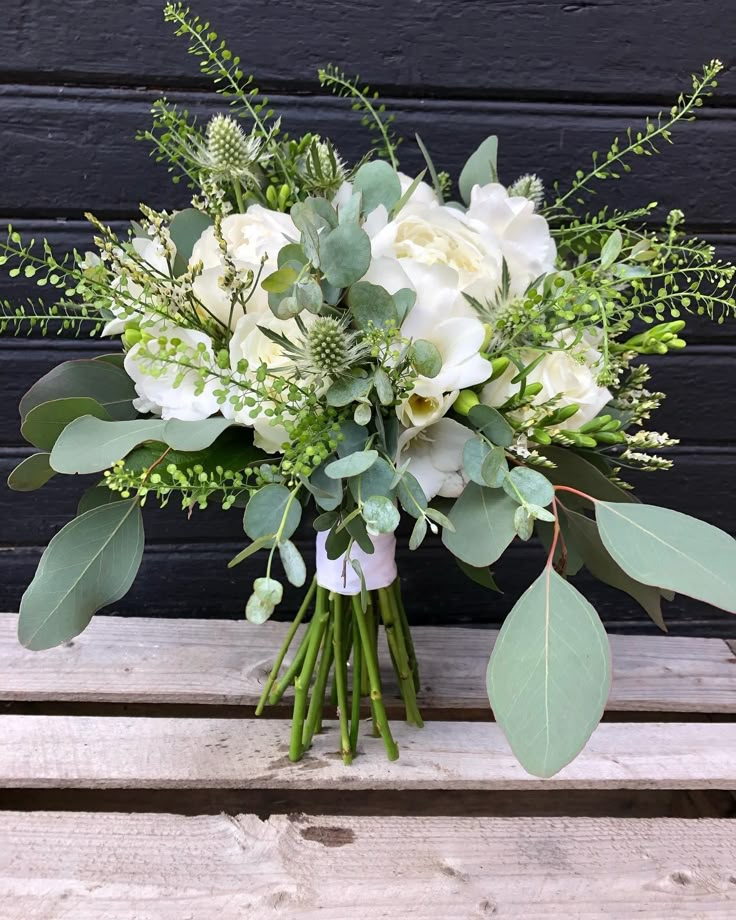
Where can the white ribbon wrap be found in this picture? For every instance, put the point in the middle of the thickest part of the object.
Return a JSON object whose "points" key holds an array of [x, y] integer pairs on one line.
{"points": [[338, 575]]}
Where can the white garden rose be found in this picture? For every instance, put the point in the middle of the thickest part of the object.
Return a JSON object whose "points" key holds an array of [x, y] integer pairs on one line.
{"points": [[151, 252], [570, 375], [169, 390], [435, 455], [250, 237], [250, 343]]}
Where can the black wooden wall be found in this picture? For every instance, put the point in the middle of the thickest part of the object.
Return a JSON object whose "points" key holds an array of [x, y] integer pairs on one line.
{"points": [[553, 79]]}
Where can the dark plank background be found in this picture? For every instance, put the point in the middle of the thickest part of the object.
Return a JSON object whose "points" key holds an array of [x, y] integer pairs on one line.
{"points": [[553, 79]]}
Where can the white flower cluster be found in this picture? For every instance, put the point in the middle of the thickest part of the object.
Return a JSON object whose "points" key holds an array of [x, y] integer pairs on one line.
{"points": [[493, 250]]}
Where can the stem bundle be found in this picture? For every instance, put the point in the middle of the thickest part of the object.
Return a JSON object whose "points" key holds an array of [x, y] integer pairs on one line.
{"points": [[342, 638]]}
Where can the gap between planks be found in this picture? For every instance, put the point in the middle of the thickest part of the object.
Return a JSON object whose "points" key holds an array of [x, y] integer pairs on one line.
{"points": [[224, 663], [166, 867]]}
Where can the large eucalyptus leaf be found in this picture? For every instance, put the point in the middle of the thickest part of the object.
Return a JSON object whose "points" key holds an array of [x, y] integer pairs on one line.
{"points": [[270, 510], [670, 550], [480, 169], [185, 228], [31, 473], [571, 469], [584, 535], [345, 255], [549, 675], [89, 564], [45, 422], [379, 184], [102, 381], [372, 305], [327, 492], [89, 445], [484, 525], [352, 465]]}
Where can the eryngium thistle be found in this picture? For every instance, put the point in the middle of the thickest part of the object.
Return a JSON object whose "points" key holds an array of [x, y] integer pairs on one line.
{"points": [[330, 348], [529, 186], [322, 169], [229, 152]]}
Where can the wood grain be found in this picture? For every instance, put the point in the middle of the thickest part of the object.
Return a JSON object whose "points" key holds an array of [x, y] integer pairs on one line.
{"points": [[168, 867], [93, 752], [631, 48], [43, 126], [221, 662]]}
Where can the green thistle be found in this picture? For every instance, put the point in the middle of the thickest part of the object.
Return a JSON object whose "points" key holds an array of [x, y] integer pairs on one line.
{"points": [[330, 349], [227, 152], [528, 186]]}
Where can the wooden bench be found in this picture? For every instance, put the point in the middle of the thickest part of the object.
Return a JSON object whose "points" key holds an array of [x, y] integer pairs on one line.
{"points": [[136, 784]]}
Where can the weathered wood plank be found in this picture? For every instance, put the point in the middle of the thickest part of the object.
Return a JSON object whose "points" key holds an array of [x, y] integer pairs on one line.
{"points": [[524, 48], [167, 867], [43, 126], [223, 662], [92, 752]]}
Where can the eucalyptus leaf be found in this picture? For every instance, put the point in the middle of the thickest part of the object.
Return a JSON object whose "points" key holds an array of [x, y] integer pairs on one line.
{"points": [[327, 492], [89, 564], [404, 299], [529, 486], [251, 549], [293, 563], [418, 533], [350, 211], [185, 229], [281, 281], [523, 523], [272, 510], [353, 437], [379, 185], [571, 469], [611, 249], [352, 465], [490, 423], [411, 495], [326, 521], [372, 305], [484, 525], [31, 473], [426, 358], [549, 675], [384, 390], [475, 453], [380, 515], [337, 542], [45, 422], [480, 575], [90, 445], [495, 468], [346, 390], [670, 550], [97, 496], [291, 253], [357, 529], [584, 534], [566, 549], [480, 168], [345, 255], [308, 295], [376, 480], [102, 381]]}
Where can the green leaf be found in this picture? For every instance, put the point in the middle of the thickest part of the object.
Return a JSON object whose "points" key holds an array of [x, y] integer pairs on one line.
{"points": [[384, 390], [337, 542], [523, 523], [573, 470], [418, 533], [371, 305], [45, 422], [293, 563], [327, 492], [404, 299], [345, 255], [380, 515], [99, 380], [348, 389], [325, 521], [353, 437], [117, 359], [545, 532], [495, 468], [355, 526], [352, 465], [611, 249], [528, 485], [481, 576], [308, 295], [376, 480], [411, 495], [475, 452], [89, 564], [480, 168], [31, 473], [670, 550], [251, 549], [490, 423], [266, 509], [97, 496], [379, 184], [426, 358], [484, 525], [293, 253], [601, 565], [281, 281], [185, 228], [89, 445], [549, 674]]}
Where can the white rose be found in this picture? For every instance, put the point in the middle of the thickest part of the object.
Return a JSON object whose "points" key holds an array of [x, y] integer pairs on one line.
{"points": [[521, 235], [570, 375], [436, 457], [151, 252], [250, 237], [249, 342], [172, 391]]}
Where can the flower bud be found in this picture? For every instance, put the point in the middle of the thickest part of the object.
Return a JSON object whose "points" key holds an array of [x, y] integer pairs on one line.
{"points": [[465, 401], [131, 336], [498, 366]]}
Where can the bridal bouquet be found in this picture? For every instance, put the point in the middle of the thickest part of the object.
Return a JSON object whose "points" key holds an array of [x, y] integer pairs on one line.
{"points": [[358, 345]]}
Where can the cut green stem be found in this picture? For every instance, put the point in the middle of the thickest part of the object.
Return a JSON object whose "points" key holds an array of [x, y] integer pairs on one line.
{"points": [[341, 678], [303, 681], [395, 636], [313, 723]]}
